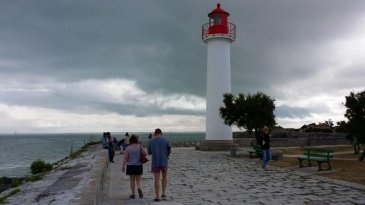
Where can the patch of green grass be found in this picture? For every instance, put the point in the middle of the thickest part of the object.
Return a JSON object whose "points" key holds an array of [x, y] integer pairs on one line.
{"points": [[16, 182], [78, 152], [349, 169], [3, 199], [35, 177]]}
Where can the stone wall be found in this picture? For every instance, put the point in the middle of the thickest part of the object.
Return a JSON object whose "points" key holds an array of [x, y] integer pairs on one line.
{"points": [[74, 181], [295, 142], [290, 139]]}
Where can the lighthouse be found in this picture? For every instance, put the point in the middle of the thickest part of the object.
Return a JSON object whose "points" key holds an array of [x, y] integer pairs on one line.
{"points": [[218, 34]]}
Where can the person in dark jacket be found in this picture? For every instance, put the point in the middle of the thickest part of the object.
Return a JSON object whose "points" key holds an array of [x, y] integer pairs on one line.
{"points": [[107, 144], [265, 146]]}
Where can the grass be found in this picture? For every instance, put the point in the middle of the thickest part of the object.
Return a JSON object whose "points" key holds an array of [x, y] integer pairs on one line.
{"points": [[78, 152], [38, 176], [16, 182], [3, 199], [352, 171], [345, 167], [35, 177]]}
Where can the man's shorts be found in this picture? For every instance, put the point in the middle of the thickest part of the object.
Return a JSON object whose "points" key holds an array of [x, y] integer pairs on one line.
{"points": [[159, 169]]}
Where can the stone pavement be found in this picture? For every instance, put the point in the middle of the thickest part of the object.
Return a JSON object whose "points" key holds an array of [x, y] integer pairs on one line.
{"points": [[197, 177]]}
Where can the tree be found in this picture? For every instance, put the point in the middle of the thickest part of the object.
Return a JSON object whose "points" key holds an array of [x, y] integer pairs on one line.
{"points": [[251, 112], [329, 123], [341, 127], [355, 113]]}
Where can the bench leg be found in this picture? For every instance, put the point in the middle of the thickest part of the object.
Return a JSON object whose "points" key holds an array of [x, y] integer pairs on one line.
{"points": [[250, 155], [301, 163], [320, 165]]}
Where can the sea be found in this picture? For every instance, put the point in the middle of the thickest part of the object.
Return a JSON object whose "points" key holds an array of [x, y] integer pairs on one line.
{"points": [[18, 151]]}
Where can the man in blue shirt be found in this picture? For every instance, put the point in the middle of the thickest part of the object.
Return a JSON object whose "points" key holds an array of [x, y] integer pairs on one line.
{"points": [[160, 149]]}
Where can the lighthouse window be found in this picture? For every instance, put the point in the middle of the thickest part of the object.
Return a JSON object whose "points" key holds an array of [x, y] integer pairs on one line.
{"points": [[215, 19]]}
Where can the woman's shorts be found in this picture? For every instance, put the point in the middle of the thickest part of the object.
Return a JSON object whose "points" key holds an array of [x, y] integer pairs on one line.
{"points": [[134, 170]]}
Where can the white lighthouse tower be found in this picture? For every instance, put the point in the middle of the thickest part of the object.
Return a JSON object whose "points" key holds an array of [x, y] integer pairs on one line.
{"points": [[218, 34]]}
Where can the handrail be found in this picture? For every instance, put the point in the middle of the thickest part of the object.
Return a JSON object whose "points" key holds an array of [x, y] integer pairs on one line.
{"points": [[230, 33]]}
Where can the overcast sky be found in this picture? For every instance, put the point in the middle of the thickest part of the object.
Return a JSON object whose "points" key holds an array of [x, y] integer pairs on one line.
{"points": [[93, 66]]}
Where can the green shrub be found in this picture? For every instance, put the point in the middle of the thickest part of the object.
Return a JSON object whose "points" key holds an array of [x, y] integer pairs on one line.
{"points": [[16, 182], [39, 166], [35, 177]]}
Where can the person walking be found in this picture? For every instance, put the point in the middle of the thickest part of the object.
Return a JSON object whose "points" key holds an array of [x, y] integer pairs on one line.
{"points": [[126, 141], [265, 146], [150, 136], [160, 149], [132, 158]]}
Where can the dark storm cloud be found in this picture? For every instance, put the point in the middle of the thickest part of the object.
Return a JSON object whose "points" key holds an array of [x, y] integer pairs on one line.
{"points": [[78, 40], [157, 44], [279, 41], [146, 41]]}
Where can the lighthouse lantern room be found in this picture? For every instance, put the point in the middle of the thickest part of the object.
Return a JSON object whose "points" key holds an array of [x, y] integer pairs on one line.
{"points": [[218, 25], [218, 34]]}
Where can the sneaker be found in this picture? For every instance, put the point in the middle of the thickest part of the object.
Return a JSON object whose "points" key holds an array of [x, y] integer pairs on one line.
{"points": [[140, 193]]}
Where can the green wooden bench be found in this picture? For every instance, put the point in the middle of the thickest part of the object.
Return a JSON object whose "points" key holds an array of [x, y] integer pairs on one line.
{"points": [[318, 155], [256, 152]]}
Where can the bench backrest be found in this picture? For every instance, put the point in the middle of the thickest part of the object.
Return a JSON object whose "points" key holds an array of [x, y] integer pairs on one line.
{"points": [[318, 152], [257, 148]]}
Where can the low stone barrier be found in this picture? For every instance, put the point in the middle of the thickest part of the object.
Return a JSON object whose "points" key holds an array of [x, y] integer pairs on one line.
{"points": [[73, 182], [92, 194]]}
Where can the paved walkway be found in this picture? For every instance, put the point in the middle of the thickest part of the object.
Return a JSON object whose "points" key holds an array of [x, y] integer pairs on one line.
{"points": [[198, 177]]}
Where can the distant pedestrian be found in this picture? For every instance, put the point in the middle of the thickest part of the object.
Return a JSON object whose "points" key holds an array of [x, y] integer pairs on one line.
{"points": [[108, 144], [134, 169], [265, 146], [104, 141], [160, 149], [126, 141]]}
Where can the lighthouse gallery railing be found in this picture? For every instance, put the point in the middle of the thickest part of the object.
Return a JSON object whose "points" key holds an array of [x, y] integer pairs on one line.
{"points": [[229, 32]]}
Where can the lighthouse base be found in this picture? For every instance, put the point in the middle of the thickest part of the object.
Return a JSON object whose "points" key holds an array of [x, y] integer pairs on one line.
{"points": [[216, 145]]}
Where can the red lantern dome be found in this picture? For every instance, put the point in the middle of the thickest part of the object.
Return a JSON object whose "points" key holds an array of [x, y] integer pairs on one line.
{"points": [[218, 25]]}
